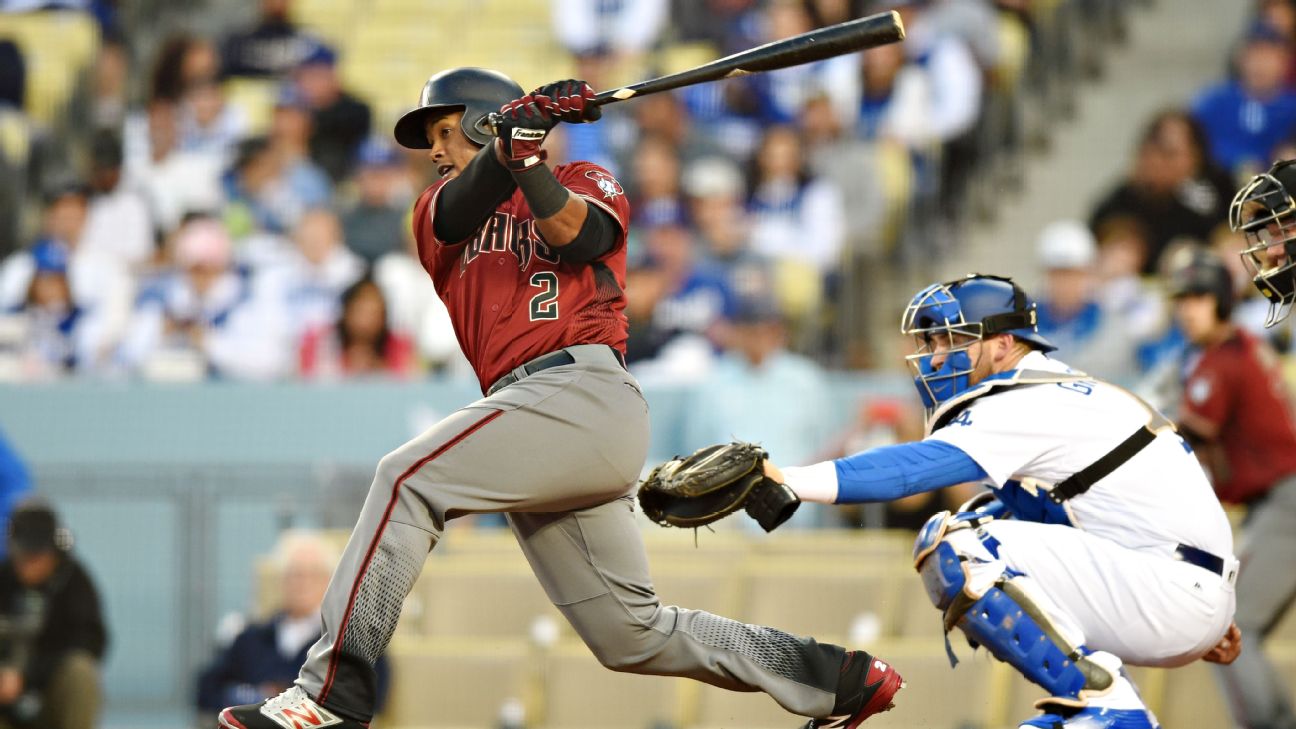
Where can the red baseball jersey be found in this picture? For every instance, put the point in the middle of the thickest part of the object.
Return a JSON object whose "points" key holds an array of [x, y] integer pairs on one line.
{"points": [[511, 298], [1237, 389]]}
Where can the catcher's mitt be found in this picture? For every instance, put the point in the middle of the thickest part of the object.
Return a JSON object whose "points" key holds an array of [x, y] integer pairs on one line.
{"points": [[712, 483]]}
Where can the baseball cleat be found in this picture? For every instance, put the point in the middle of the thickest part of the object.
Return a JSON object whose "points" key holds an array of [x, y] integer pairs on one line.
{"points": [[292, 709], [876, 693], [1092, 717]]}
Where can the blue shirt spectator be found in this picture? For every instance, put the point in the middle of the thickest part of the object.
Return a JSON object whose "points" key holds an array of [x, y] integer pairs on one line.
{"points": [[1246, 118]]}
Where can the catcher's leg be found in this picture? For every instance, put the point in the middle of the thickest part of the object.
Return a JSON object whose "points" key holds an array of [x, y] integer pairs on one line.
{"points": [[532, 447], [593, 567], [1004, 611]]}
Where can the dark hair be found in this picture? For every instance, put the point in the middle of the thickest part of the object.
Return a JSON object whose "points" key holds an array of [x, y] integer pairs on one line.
{"points": [[352, 293], [1196, 136], [167, 82], [803, 174]]}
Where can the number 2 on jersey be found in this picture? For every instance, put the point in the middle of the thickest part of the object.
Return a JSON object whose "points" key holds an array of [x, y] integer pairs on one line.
{"points": [[544, 305]]}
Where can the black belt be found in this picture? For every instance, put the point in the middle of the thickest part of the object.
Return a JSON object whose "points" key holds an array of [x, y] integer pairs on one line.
{"points": [[557, 359], [1200, 557]]}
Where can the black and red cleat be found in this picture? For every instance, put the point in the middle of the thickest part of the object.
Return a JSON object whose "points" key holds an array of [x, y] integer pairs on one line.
{"points": [[293, 709], [868, 684]]}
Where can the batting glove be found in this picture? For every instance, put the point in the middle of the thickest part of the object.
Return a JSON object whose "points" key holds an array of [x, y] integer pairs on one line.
{"points": [[572, 99], [520, 129]]}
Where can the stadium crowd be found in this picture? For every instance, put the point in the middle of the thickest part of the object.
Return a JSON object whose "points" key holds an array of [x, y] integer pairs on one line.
{"points": [[198, 236]]}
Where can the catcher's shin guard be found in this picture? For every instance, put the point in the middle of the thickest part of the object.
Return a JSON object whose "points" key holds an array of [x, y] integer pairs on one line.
{"points": [[1006, 620]]}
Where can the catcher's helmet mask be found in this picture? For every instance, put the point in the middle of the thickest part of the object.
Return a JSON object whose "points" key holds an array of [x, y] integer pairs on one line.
{"points": [[477, 92], [1263, 211], [959, 314]]}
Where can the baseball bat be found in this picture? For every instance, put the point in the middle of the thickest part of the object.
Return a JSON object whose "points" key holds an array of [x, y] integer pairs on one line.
{"points": [[816, 45]]}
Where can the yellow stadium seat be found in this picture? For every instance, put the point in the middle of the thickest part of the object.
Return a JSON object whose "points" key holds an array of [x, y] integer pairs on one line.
{"points": [[479, 597], [15, 138], [579, 693], [455, 684], [1192, 698], [254, 98], [822, 599], [1285, 630], [57, 47]]}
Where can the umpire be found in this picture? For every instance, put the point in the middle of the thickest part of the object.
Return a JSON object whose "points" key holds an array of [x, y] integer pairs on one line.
{"points": [[1236, 413]]}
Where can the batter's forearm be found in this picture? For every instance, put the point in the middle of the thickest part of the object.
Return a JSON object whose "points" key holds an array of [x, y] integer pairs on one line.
{"points": [[558, 213]]}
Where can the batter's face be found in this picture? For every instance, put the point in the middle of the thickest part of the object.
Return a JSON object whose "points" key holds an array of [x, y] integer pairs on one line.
{"points": [[451, 151]]}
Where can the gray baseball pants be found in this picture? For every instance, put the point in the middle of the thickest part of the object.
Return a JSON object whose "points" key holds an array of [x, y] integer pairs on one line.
{"points": [[1266, 585], [560, 452]]}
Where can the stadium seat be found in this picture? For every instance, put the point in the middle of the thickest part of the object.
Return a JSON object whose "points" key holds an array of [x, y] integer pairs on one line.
{"points": [[57, 47], [830, 595], [1192, 698], [478, 597], [455, 684], [579, 693]]}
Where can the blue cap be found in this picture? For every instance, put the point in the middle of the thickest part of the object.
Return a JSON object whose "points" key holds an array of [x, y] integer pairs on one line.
{"points": [[50, 257], [375, 152], [319, 54], [1262, 32]]}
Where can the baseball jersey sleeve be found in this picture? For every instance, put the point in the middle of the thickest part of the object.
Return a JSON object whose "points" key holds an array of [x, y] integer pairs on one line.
{"points": [[432, 251], [1208, 396], [598, 187], [998, 435]]}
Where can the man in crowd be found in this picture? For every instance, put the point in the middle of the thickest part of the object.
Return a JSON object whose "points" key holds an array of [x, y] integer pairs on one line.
{"points": [[52, 635]]}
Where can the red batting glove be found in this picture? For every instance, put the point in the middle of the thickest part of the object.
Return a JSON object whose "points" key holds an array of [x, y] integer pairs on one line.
{"points": [[522, 127], [572, 99]]}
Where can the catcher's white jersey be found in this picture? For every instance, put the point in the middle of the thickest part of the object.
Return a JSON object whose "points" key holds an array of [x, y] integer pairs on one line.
{"points": [[1158, 499]]}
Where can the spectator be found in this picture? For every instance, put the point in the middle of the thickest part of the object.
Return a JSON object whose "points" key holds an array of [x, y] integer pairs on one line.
{"points": [[339, 121], [15, 484], [56, 639], [264, 658], [796, 217], [101, 289], [780, 95], [797, 223], [1237, 415], [174, 181], [1245, 118], [290, 134], [13, 75], [894, 99], [205, 316], [654, 185], [623, 30], [270, 49], [1173, 190], [55, 332], [787, 418], [689, 298], [119, 226], [715, 191], [312, 277], [1122, 252], [361, 343], [1093, 339], [209, 125], [183, 62], [109, 85], [375, 224], [413, 306], [953, 76]]}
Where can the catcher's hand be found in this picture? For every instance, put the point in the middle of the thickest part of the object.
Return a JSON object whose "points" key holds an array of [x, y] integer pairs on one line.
{"points": [[713, 483], [1227, 650]]}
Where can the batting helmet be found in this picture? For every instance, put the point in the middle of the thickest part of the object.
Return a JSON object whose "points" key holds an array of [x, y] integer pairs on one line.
{"points": [[1204, 273], [958, 314], [1265, 212], [474, 91]]}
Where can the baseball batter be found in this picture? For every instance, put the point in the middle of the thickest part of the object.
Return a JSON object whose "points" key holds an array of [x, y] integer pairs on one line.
{"points": [[1117, 550], [531, 265]]}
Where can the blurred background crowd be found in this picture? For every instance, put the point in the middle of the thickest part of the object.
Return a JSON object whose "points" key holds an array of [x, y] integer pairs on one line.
{"points": [[201, 207], [221, 199]]}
